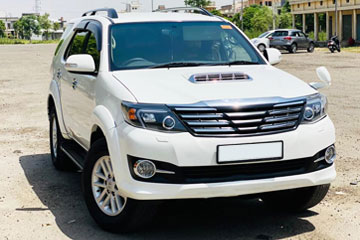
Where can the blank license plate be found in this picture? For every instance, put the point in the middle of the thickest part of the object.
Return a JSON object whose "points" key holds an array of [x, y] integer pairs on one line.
{"points": [[250, 152]]}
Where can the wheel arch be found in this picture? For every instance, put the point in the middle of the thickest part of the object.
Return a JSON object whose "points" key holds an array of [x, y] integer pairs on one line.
{"points": [[54, 101]]}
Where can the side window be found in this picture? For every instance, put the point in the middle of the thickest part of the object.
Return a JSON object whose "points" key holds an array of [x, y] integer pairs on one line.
{"points": [[77, 44], [92, 50], [302, 34]]}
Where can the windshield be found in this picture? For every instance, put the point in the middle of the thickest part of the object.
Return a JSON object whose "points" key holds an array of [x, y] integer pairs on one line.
{"points": [[175, 44], [264, 34]]}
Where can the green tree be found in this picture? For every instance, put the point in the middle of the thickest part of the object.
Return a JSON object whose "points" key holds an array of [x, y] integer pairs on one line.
{"points": [[45, 24], [56, 26], [285, 20], [197, 3], [262, 19], [217, 13], [2, 29], [26, 26], [248, 14]]}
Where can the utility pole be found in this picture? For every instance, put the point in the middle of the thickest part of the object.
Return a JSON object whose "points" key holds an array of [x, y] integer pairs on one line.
{"points": [[241, 15], [274, 14], [152, 5], [37, 7], [336, 19]]}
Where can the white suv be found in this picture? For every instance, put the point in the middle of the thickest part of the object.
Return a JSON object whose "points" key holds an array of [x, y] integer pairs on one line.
{"points": [[164, 105]]}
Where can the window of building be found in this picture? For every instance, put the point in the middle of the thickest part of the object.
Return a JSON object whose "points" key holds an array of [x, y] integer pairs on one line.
{"points": [[309, 4], [347, 1], [333, 1], [260, 3], [298, 5], [321, 3]]}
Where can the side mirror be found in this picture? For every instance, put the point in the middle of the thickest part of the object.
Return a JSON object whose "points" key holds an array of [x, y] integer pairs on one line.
{"points": [[80, 63], [272, 55], [324, 75]]}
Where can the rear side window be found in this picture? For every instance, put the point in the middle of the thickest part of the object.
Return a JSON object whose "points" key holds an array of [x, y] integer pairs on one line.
{"points": [[63, 36], [280, 33]]}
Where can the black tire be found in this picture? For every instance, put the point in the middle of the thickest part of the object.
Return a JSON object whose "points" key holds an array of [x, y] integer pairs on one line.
{"points": [[293, 48], [133, 214], [296, 200], [59, 159], [332, 50], [339, 49], [311, 47], [261, 47]]}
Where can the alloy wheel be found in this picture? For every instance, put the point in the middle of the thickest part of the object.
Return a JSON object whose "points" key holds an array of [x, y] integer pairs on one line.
{"points": [[104, 188]]}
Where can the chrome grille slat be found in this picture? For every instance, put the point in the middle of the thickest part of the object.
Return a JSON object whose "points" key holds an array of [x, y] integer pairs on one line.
{"points": [[281, 118], [214, 130], [202, 116], [246, 121], [285, 111], [221, 123], [245, 114]]}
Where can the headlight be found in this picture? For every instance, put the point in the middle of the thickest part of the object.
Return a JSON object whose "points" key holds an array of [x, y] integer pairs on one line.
{"points": [[151, 116], [315, 108]]}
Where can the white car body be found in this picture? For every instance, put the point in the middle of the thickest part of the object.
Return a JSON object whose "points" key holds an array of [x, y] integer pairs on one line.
{"points": [[262, 42], [96, 105]]}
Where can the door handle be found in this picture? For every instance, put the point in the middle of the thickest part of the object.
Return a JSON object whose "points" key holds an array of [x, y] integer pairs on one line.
{"points": [[58, 74], [74, 83]]}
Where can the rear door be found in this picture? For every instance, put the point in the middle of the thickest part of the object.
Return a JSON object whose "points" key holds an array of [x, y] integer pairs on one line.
{"points": [[277, 38]]}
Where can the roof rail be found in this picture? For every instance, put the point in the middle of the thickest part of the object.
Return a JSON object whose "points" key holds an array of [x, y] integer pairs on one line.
{"points": [[187, 10], [111, 12]]}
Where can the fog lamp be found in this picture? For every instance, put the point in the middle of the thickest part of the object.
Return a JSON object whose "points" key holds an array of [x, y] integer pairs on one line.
{"points": [[330, 154], [144, 168]]}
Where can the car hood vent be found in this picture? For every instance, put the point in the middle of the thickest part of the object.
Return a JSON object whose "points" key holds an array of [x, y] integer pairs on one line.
{"points": [[216, 77]]}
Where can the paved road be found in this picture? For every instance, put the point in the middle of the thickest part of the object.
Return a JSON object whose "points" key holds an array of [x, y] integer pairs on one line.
{"points": [[37, 202]]}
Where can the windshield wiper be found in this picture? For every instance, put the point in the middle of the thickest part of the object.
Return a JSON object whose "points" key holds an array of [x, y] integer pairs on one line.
{"points": [[178, 64], [237, 63]]}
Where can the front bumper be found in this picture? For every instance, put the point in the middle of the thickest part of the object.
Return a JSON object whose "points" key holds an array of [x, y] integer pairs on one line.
{"points": [[185, 150]]}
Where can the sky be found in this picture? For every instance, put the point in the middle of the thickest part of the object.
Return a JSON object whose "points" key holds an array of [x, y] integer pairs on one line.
{"points": [[70, 9]]}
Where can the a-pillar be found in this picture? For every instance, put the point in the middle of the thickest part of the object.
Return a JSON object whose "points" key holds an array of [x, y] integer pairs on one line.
{"points": [[316, 26], [354, 25], [304, 22], [327, 26]]}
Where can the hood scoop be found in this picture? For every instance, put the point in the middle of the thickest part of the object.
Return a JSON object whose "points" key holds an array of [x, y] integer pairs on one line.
{"points": [[217, 77]]}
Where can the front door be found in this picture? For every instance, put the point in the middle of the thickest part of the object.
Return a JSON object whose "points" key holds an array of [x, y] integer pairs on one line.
{"points": [[78, 89]]}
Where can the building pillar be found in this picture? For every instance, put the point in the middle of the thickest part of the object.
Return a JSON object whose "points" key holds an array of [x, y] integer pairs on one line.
{"points": [[327, 26], [340, 31], [304, 22], [354, 25], [293, 20], [316, 26]]}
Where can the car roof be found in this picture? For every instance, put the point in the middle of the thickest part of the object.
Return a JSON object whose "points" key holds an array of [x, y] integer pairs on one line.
{"points": [[163, 17], [291, 30]]}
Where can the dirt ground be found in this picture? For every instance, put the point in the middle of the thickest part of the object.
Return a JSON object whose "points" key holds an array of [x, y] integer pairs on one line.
{"points": [[37, 202]]}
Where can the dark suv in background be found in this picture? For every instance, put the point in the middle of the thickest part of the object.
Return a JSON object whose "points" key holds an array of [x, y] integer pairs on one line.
{"points": [[291, 40]]}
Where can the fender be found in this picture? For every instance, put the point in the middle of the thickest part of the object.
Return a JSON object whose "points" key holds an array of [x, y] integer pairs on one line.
{"points": [[54, 92], [105, 121]]}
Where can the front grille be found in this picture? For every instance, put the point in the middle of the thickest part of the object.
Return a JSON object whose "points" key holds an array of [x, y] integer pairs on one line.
{"points": [[242, 121]]}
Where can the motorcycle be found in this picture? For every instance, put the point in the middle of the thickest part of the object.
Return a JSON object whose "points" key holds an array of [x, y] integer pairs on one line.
{"points": [[334, 44]]}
